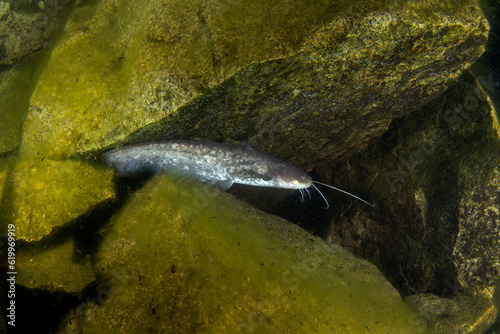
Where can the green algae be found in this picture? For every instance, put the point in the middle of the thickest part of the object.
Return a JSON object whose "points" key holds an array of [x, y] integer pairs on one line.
{"points": [[4, 173], [26, 39], [16, 86], [53, 269], [23, 31], [4, 178], [45, 194], [462, 314], [184, 257], [85, 83], [496, 296]]}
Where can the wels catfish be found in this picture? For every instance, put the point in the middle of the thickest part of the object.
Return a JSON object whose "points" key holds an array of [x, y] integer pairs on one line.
{"points": [[213, 163]]}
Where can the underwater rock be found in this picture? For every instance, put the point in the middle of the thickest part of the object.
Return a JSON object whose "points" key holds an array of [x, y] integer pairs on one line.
{"points": [[16, 84], [307, 88], [183, 257], [433, 177], [325, 100], [4, 173], [53, 269], [462, 314], [23, 32], [4, 178], [477, 248], [24, 28], [45, 194], [496, 295]]}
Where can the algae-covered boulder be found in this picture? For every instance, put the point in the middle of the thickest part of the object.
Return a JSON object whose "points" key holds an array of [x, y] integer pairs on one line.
{"points": [[463, 314], [477, 247], [182, 257], [24, 29], [45, 194], [16, 84], [367, 64], [4, 172], [307, 81], [496, 295], [53, 269], [434, 178]]}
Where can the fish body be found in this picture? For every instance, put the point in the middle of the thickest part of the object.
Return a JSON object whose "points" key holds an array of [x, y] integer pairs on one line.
{"points": [[210, 162]]}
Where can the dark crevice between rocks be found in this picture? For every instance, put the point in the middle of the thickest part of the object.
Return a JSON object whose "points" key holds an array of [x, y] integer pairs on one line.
{"points": [[88, 230], [309, 213], [84, 229], [427, 265], [40, 311], [434, 156]]}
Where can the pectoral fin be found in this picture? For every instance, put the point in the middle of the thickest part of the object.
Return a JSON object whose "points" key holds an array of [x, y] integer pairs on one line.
{"points": [[223, 185]]}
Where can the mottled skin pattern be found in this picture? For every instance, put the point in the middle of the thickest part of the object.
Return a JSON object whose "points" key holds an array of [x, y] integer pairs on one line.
{"points": [[206, 161]]}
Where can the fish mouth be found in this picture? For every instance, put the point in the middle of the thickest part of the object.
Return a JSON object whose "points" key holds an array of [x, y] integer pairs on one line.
{"points": [[299, 184]]}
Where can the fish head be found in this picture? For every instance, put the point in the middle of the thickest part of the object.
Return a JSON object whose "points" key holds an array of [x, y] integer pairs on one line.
{"points": [[290, 177]]}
